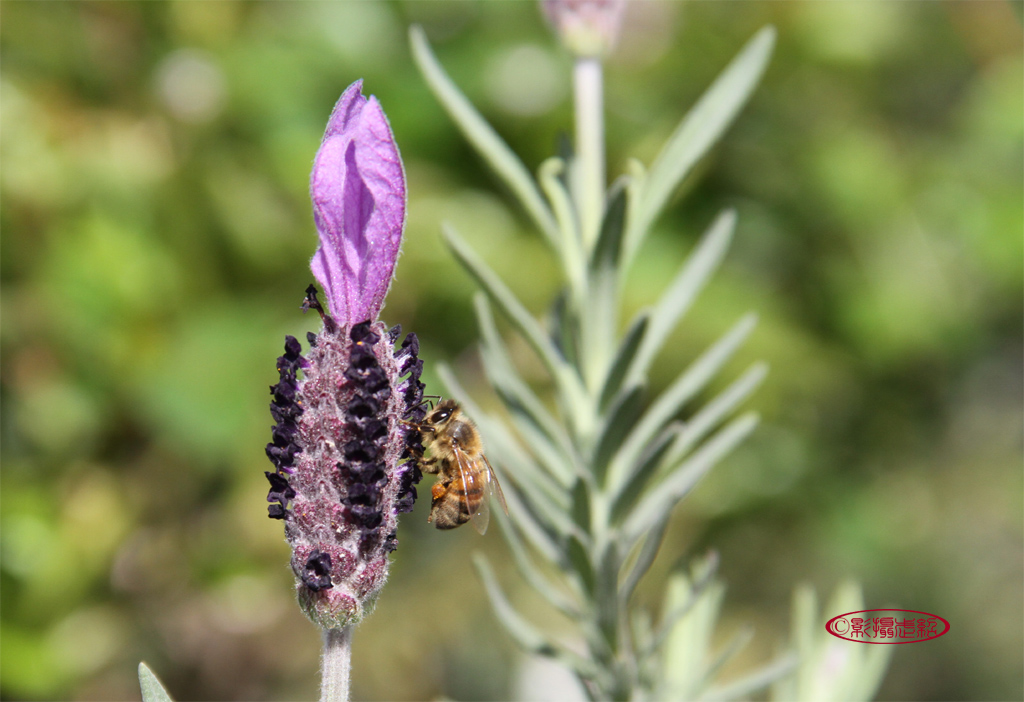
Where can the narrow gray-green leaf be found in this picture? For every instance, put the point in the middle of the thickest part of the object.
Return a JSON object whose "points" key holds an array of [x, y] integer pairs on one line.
{"points": [[555, 468], [606, 594], [482, 136], [684, 288], [581, 505], [524, 633], [652, 457], [690, 382], [579, 561], [669, 619], [571, 252], [623, 358], [685, 651], [549, 456], [558, 453], [743, 688], [804, 633], [152, 689], [500, 444], [531, 573], [505, 448], [598, 300], [513, 309], [698, 131], [617, 424], [550, 511], [659, 501], [608, 249], [713, 412], [736, 644], [644, 559], [565, 329], [642, 628], [539, 533]]}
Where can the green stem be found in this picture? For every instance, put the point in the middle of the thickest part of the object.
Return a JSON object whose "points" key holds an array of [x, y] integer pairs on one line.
{"points": [[588, 184], [589, 176], [336, 665], [596, 297]]}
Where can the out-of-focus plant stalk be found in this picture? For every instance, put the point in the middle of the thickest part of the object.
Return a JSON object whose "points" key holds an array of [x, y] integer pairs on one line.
{"points": [[596, 308], [598, 302], [589, 176]]}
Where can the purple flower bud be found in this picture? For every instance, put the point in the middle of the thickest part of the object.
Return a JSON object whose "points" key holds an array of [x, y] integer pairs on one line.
{"points": [[586, 27], [358, 192], [344, 459]]}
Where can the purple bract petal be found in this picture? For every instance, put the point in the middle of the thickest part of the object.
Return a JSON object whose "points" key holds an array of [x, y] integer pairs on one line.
{"points": [[358, 192]]}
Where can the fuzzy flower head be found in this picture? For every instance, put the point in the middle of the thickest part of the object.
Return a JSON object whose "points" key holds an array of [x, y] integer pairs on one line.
{"points": [[586, 27], [344, 461]]}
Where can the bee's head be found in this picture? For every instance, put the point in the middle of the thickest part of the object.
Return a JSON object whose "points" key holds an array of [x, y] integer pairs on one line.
{"points": [[442, 414]]}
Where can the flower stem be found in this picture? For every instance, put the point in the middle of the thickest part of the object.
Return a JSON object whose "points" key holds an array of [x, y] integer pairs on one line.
{"points": [[590, 175], [596, 300], [336, 665]]}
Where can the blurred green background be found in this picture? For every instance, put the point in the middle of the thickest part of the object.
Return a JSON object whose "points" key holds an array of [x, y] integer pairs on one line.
{"points": [[156, 230]]}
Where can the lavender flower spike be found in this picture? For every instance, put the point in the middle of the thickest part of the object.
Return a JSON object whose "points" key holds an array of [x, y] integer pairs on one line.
{"points": [[358, 192], [340, 449]]}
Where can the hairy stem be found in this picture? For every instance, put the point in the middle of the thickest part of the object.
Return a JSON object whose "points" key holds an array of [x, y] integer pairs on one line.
{"points": [[336, 665]]}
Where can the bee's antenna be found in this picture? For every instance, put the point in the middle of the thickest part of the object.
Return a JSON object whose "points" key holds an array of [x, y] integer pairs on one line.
{"points": [[427, 400]]}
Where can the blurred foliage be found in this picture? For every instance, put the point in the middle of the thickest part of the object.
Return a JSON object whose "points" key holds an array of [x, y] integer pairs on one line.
{"points": [[156, 231]]}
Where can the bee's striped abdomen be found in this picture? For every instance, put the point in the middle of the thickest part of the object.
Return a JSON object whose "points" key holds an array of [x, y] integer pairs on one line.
{"points": [[456, 502]]}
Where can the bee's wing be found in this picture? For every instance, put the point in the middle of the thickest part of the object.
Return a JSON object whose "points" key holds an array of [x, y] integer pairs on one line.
{"points": [[494, 487], [480, 514]]}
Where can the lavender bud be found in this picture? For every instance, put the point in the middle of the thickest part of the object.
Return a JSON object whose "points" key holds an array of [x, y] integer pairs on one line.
{"points": [[588, 28]]}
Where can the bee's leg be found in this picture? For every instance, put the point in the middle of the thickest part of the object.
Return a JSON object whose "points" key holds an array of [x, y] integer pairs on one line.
{"points": [[437, 494], [438, 491], [429, 465]]}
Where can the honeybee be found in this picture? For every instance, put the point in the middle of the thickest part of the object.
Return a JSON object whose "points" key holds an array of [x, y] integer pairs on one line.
{"points": [[466, 479]]}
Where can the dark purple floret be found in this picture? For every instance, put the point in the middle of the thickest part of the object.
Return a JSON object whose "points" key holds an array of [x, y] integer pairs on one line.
{"points": [[317, 573], [410, 346], [312, 302], [371, 387], [363, 333], [412, 389], [281, 493], [292, 349], [283, 456], [285, 409], [363, 407]]}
